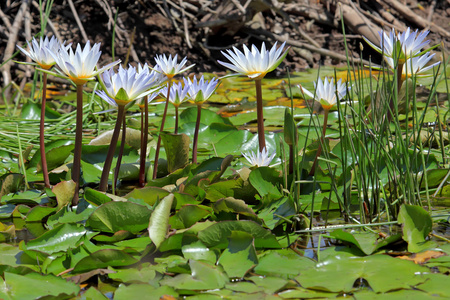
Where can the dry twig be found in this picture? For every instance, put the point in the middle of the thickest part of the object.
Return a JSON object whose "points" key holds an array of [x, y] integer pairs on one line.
{"points": [[413, 17], [11, 45], [77, 19]]}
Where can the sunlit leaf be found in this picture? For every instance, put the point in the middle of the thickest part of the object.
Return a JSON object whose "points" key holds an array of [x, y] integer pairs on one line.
{"points": [[159, 220], [417, 225], [64, 192], [60, 238]]}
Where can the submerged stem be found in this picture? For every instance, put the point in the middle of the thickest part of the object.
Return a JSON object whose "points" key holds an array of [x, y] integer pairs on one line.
{"points": [[76, 166], [158, 145], [197, 127], [41, 132], [259, 115], [112, 148]]}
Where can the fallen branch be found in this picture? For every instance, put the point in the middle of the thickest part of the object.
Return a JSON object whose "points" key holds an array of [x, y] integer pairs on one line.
{"points": [[11, 45], [413, 17], [77, 19]]}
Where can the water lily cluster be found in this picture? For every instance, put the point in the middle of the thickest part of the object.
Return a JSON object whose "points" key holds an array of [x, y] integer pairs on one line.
{"points": [[125, 86]]}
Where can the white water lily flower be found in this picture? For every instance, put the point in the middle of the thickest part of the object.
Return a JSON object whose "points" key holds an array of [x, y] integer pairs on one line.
{"points": [[403, 45], [254, 64], [169, 66], [126, 85], [178, 93], [415, 66], [80, 66], [327, 92], [40, 52], [259, 159], [200, 91]]}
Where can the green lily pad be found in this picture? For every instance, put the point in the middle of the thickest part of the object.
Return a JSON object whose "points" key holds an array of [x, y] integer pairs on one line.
{"points": [[203, 277], [240, 255], [32, 286], [114, 216]]}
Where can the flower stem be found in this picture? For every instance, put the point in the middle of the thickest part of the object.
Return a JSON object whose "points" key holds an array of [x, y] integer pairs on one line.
{"points": [[197, 127], [41, 132], [176, 119], [122, 145], [319, 149], [158, 145], [144, 140], [259, 115], [76, 166], [112, 148]]}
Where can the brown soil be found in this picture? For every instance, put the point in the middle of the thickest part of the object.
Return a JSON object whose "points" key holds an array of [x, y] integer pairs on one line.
{"points": [[157, 27]]}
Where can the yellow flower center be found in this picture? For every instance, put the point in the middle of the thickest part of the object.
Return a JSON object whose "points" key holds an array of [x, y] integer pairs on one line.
{"points": [[79, 80]]}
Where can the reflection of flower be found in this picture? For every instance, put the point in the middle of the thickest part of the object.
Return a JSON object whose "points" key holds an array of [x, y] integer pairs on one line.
{"points": [[80, 66], [40, 52], [254, 64], [200, 91], [169, 66], [401, 46], [414, 66], [178, 93], [126, 85], [259, 159], [326, 91]]}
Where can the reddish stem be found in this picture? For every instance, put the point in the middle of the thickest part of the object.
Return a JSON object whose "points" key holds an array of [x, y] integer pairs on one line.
{"points": [[197, 127], [158, 145], [112, 148], [41, 132], [259, 115]]}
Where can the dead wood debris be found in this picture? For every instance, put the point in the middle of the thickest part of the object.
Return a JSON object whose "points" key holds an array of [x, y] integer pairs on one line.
{"points": [[312, 27]]}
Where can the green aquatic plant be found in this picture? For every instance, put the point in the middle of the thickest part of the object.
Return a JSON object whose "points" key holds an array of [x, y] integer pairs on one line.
{"points": [[199, 91], [121, 89], [170, 68], [40, 53], [79, 67]]}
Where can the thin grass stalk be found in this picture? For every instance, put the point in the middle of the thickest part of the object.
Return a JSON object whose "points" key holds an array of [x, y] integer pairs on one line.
{"points": [[197, 127], [122, 146], [41, 132], [293, 151], [158, 144], [76, 166], [112, 148], [259, 115], [322, 142], [21, 160]]}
